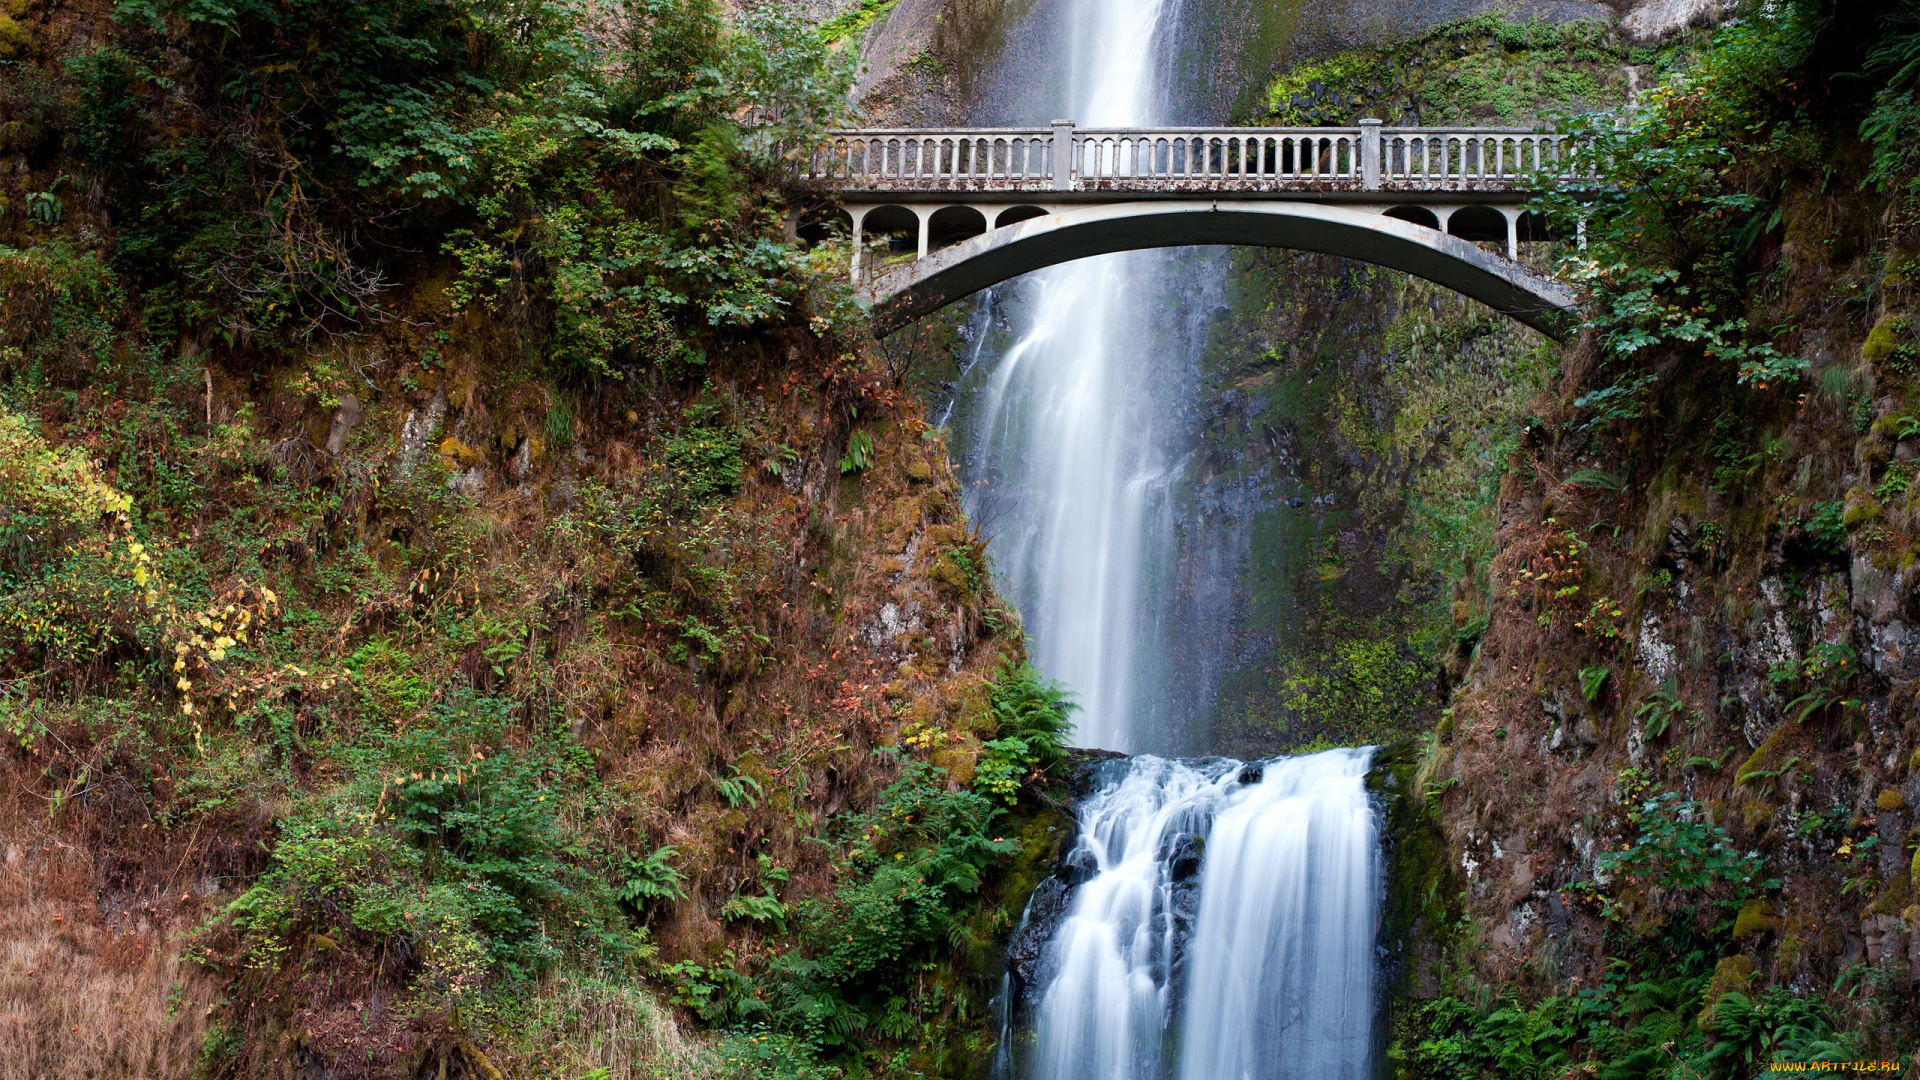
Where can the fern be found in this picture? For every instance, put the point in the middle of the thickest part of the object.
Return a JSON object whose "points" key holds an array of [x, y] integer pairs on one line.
{"points": [[859, 453], [1591, 680], [653, 878], [740, 791]]}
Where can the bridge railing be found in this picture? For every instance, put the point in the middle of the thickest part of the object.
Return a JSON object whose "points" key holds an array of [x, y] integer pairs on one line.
{"points": [[1064, 158]]}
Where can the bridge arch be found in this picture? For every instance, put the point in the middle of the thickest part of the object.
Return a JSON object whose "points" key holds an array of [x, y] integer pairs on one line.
{"points": [[901, 293]]}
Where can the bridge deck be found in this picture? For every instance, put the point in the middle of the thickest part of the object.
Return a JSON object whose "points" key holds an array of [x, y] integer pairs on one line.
{"points": [[1065, 163]]}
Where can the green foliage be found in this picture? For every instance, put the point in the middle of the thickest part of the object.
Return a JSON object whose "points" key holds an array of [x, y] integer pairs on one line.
{"points": [[704, 461], [107, 125], [855, 20], [1661, 708], [1640, 1022], [1486, 68], [1892, 127], [1827, 526], [1592, 680], [760, 1053], [653, 878], [1034, 719], [1676, 208], [859, 453], [446, 839], [1681, 854], [1623, 400], [532, 140], [740, 790]]}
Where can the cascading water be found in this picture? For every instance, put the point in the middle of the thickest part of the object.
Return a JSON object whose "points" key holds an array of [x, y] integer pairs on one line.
{"points": [[1068, 419], [1221, 920], [1259, 968], [1281, 955]]}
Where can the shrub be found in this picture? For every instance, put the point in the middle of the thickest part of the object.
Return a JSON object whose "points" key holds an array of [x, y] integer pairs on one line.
{"points": [[1681, 854], [446, 839]]}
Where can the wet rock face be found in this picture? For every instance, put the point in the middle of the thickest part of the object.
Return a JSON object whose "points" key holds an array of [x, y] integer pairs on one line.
{"points": [[1029, 961]]}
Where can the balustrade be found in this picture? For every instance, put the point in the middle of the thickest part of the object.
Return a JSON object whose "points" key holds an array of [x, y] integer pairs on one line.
{"points": [[1069, 159]]}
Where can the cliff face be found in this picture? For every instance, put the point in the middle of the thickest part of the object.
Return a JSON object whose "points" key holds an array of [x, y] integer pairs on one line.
{"points": [[1675, 789], [472, 630]]}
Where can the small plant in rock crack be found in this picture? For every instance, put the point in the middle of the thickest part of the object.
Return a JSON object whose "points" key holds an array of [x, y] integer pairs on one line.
{"points": [[1592, 681], [740, 790], [1662, 707], [859, 453], [653, 878], [762, 907]]}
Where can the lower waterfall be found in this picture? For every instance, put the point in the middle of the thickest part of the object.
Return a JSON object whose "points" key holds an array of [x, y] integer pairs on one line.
{"points": [[1222, 927]]}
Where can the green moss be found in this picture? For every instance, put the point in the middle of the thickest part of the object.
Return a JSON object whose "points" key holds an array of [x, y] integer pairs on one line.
{"points": [[1420, 917], [1881, 343], [1733, 974], [1791, 952], [1891, 799], [1895, 897], [855, 20], [14, 39], [1755, 918], [1484, 67]]}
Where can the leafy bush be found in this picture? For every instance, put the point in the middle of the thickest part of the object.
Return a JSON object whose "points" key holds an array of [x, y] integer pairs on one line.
{"points": [[1681, 195], [1892, 127], [1640, 1022], [446, 839], [1681, 855]]}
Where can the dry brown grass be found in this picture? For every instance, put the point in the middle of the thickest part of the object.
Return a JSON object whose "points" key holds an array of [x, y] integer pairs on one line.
{"points": [[83, 993], [582, 1024]]}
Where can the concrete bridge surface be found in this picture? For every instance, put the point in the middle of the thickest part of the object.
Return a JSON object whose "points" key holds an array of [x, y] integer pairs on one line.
{"points": [[960, 210]]}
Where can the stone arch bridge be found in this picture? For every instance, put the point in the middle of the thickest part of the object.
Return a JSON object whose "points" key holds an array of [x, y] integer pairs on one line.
{"points": [[961, 210]]}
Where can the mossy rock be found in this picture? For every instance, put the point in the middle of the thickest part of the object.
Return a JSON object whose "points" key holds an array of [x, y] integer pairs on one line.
{"points": [[467, 455], [1897, 895], [14, 39], [1914, 872], [1891, 799], [1755, 918], [16, 8], [1862, 509], [1791, 953], [1733, 974], [1881, 343]]}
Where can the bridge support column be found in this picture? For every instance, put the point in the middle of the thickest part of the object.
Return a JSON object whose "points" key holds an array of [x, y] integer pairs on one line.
{"points": [[859, 216], [1063, 155], [926, 220], [1512, 214]]}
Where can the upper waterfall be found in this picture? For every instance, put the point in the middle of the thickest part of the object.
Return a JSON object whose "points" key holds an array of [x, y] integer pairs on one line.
{"points": [[1066, 448]]}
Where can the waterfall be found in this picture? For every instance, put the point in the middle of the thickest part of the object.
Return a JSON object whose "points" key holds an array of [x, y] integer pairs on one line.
{"points": [[1281, 982], [1221, 917], [1231, 904], [1068, 420]]}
